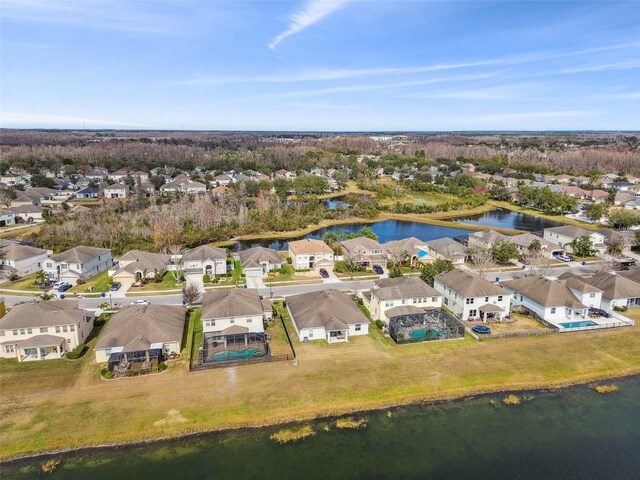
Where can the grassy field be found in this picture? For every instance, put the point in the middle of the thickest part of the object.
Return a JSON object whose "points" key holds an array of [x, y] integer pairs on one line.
{"points": [[519, 323], [25, 283], [61, 404]]}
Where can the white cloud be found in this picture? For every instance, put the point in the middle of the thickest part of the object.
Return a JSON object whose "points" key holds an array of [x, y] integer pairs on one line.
{"points": [[312, 12], [630, 64]]}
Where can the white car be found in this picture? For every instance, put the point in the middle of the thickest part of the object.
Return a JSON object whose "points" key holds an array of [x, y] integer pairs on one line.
{"points": [[140, 302]]}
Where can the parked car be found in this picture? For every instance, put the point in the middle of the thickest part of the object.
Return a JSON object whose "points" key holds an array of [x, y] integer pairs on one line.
{"points": [[140, 302], [64, 287], [563, 257], [378, 269], [324, 273], [115, 286]]}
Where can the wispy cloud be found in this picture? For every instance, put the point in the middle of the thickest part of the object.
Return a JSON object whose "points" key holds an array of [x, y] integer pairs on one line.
{"points": [[312, 12], [603, 67], [9, 119], [514, 117], [492, 93]]}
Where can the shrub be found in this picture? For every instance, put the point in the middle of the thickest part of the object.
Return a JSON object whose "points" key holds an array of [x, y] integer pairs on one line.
{"points": [[379, 324], [108, 375], [76, 353], [287, 435], [351, 423], [80, 281], [620, 309], [104, 371], [206, 279], [154, 368], [289, 261], [162, 367], [511, 400]]}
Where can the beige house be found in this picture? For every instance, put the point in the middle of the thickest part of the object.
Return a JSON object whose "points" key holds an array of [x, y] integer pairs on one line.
{"points": [[326, 315], [364, 251], [206, 260], [44, 330], [21, 260], [447, 249], [524, 240], [400, 292], [257, 262], [408, 251], [310, 254], [486, 239], [140, 334], [136, 265]]}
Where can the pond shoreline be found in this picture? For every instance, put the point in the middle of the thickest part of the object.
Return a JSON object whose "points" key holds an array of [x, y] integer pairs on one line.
{"points": [[328, 417]]}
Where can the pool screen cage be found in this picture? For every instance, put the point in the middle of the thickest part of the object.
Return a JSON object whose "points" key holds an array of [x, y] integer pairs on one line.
{"points": [[424, 326], [215, 345], [143, 360]]}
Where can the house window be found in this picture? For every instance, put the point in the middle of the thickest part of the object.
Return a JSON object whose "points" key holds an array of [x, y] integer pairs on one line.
{"points": [[469, 301], [29, 331], [434, 299], [473, 313], [9, 349], [64, 329], [249, 319], [310, 334], [69, 341], [404, 301], [358, 327], [23, 331], [499, 298], [1, 333], [72, 328], [486, 299], [592, 295], [209, 323], [553, 309], [446, 301], [49, 265], [521, 297], [388, 303], [57, 329], [415, 300], [232, 320], [15, 332]]}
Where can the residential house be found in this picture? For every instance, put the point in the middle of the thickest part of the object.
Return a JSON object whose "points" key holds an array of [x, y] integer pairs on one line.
{"points": [[139, 336], [19, 259], [234, 320], [87, 193], [326, 315], [310, 254], [618, 290], [524, 241], [257, 262], [33, 196], [140, 176], [282, 173], [44, 330], [564, 235], [13, 177], [119, 175], [28, 213], [78, 263], [364, 251], [220, 191], [171, 187], [471, 297], [137, 265], [597, 195], [97, 173], [7, 218], [486, 239], [196, 188], [206, 260], [117, 190], [623, 197], [552, 301], [223, 180], [408, 251], [447, 249], [389, 293]]}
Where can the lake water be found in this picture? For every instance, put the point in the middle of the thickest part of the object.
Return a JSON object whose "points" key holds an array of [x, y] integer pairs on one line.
{"points": [[386, 231], [509, 219], [571, 434]]}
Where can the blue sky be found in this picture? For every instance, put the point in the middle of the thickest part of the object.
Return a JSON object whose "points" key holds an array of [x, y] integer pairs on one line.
{"points": [[320, 65]]}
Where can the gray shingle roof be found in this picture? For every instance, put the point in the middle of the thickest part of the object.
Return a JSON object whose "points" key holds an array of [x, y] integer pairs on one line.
{"points": [[138, 325], [403, 287], [43, 314], [614, 286], [545, 292], [252, 257], [325, 308], [80, 254], [205, 252], [468, 285], [41, 341], [231, 303]]}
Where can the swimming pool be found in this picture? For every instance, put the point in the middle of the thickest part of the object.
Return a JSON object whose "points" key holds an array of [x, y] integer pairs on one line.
{"points": [[428, 333], [234, 354], [585, 323]]}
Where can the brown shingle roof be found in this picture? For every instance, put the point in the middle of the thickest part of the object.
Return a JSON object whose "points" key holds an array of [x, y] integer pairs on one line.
{"points": [[231, 303], [468, 285], [251, 257], [44, 314], [309, 245], [545, 292], [325, 308]]}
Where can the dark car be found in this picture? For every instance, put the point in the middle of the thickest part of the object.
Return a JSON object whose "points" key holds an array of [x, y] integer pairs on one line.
{"points": [[115, 286], [64, 287], [324, 273], [378, 269]]}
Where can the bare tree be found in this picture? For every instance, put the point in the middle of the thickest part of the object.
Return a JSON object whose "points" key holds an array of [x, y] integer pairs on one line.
{"points": [[177, 270], [191, 293], [481, 258]]}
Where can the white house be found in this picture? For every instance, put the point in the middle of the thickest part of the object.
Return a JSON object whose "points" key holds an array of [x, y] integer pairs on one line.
{"points": [[486, 238], [408, 251], [138, 332], [195, 188], [326, 315], [257, 262], [78, 263], [117, 190], [7, 219], [447, 249], [310, 254], [44, 330], [401, 291], [136, 265], [551, 300], [231, 317], [564, 235], [617, 290], [21, 260], [471, 297], [524, 241], [205, 259]]}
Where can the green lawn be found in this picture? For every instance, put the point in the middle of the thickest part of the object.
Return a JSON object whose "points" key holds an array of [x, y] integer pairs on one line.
{"points": [[99, 283], [167, 283], [190, 349], [235, 278], [25, 283]]}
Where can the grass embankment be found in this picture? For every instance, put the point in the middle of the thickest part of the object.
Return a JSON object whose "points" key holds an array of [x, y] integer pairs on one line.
{"points": [[41, 402], [554, 218], [24, 283], [21, 232]]}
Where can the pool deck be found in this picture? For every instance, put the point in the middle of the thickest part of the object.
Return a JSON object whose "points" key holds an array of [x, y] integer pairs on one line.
{"points": [[614, 321]]}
